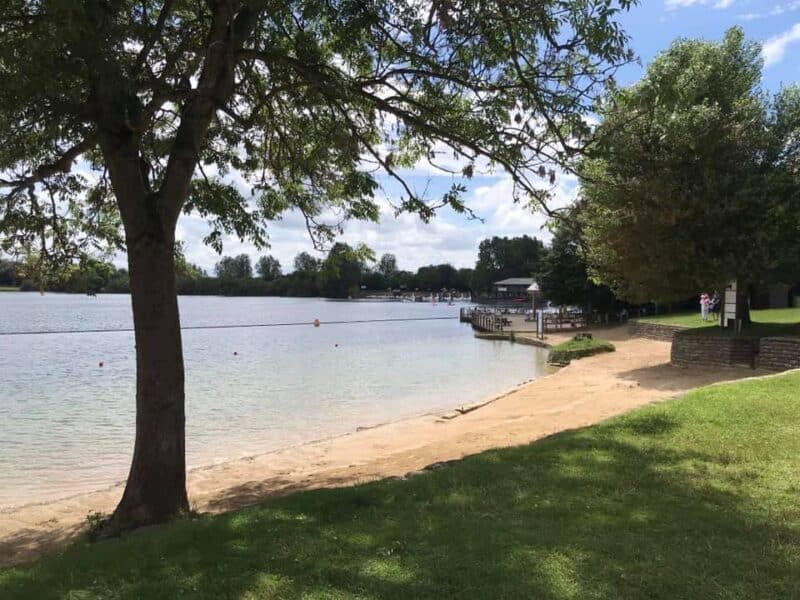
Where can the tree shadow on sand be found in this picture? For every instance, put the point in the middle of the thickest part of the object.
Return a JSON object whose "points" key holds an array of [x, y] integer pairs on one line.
{"points": [[667, 378]]}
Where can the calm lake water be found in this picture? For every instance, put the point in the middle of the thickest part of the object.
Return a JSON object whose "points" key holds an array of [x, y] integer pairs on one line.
{"points": [[67, 425]]}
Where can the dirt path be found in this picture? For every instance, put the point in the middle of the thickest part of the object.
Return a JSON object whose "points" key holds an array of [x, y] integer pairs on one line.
{"points": [[583, 393]]}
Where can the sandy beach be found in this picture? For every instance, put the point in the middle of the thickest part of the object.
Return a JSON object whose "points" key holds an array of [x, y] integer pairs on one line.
{"points": [[585, 392]]}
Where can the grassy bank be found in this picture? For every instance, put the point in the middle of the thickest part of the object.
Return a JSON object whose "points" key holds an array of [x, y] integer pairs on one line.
{"points": [[693, 498], [8, 288], [564, 353], [776, 321]]}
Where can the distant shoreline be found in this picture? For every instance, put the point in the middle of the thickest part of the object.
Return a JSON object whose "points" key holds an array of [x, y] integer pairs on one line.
{"points": [[369, 295]]}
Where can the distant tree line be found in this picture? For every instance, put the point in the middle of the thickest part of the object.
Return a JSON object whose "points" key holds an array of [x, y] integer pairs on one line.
{"points": [[90, 276], [349, 271], [346, 271], [8, 274], [87, 276]]}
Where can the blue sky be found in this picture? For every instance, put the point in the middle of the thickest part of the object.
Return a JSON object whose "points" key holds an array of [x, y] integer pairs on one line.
{"points": [[654, 24], [452, 238]]}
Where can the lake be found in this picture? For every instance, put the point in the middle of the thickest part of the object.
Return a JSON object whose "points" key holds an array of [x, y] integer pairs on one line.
{"points": [[67, 424]]}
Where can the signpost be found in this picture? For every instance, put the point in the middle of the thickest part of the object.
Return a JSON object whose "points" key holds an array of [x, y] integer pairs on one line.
{"points": [[728, 312], [533, 289]]}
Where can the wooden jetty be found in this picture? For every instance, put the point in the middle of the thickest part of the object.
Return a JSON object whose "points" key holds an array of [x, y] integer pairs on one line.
{"points": [[484, 320]]}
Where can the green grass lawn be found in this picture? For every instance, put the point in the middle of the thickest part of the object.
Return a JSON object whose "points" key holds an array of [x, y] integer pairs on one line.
{"points": [[7, 288], [693, 498], [775, 321], [573, 349]]}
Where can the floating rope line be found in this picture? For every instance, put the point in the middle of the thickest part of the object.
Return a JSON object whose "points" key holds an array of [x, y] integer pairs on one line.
{"points": [[242, 326]]}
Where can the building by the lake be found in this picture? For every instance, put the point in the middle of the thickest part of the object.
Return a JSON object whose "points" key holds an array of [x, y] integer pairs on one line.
{"points": [[514, 289]]}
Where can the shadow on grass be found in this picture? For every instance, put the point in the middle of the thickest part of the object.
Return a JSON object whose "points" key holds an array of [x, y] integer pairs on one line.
{"points": [[253, 492], [640, 507], [35, 541]]}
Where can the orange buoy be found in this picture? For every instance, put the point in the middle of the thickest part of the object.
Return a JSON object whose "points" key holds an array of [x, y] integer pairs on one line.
{"points": [[316, 322]]}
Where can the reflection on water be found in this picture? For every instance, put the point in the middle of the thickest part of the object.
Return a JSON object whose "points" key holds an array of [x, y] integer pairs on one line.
{"points": [[66, 423]]}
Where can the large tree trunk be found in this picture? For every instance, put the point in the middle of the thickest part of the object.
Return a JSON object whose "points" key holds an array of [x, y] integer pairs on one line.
{"points": [[156, 487], [743, 302]]}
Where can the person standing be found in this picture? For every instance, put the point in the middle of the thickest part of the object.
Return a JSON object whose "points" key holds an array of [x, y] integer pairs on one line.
{"points": [[714, 305], [704, 301]]}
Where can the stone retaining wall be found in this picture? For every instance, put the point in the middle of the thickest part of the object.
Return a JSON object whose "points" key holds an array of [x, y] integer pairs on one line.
{"points": [[694, 349], [779, 354], [653, 331], [690, 350]]}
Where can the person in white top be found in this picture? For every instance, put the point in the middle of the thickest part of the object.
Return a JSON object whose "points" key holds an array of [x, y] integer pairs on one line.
{"points": [[704, 302]]}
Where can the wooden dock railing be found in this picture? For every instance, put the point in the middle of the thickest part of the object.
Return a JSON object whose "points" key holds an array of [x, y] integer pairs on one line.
{"points": [[487, 322]]}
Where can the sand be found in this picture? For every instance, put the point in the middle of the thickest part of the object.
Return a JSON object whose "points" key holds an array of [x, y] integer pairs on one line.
{"points": [[585, 392]]}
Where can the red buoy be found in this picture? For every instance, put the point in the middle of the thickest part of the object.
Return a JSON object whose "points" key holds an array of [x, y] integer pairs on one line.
{"points": [[236, 354], [100, 364]]}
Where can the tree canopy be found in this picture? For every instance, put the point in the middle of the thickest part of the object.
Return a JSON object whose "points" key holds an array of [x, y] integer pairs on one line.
{"points": [[341, 272], [8, 272], [563, 275], [694, 182], [234, 267], [184, 270], [268, 268], [387, 265], [133, 112], [500, 258], [164, 100], [305, 263]]}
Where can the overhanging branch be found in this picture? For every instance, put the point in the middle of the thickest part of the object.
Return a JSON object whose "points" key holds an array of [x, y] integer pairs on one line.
{"points": [[63, 164]]}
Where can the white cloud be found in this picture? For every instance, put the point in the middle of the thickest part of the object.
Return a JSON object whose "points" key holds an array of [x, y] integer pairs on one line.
{"points": [[775, 11], [454, 238], [717, 4], [785, 8], [774, 49], [449, 237]]}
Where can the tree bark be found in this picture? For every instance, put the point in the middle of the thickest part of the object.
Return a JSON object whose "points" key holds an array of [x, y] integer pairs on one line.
{"points": [[156, 488], [743, 302]]}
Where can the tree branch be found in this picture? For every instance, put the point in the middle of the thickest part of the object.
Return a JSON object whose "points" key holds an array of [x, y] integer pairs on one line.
{"points": [[214, 89], [63, 164], [141, 59]]}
